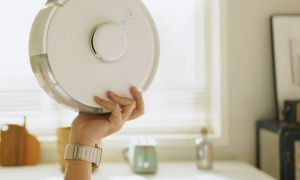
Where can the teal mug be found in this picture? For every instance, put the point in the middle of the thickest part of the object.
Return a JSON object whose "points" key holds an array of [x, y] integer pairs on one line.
{"points": [[142, 156]]}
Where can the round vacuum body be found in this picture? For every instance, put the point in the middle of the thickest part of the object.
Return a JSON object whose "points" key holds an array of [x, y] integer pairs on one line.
{"points": [[81, 49]]}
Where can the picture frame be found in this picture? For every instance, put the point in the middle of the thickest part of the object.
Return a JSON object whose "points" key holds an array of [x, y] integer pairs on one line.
{"points": [[286, 58]]}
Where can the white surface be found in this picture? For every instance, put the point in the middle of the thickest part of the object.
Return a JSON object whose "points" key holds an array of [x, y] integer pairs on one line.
{"points": [[81, 74], [223, 170]]}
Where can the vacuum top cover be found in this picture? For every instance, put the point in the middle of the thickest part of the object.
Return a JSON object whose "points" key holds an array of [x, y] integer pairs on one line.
{"points": [[80, 49]]}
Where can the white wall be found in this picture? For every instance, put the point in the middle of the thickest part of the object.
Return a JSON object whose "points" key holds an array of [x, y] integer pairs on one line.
{"points": [[251, 89]]}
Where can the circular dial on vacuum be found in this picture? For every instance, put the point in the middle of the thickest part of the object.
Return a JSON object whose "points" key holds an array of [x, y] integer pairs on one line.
{"points": [[108, 42]]}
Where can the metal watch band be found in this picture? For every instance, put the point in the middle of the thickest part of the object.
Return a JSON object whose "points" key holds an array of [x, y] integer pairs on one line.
{"points": [[85, 153]]}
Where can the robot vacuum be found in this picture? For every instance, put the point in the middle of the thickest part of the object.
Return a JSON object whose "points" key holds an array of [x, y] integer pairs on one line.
{"points": [[83, 48]]}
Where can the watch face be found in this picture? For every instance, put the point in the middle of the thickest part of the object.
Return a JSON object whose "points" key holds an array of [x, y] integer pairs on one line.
{"points": [[80, 49]]}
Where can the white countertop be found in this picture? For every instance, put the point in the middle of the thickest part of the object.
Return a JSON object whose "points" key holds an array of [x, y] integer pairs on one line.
{"points": [[223, 170]]}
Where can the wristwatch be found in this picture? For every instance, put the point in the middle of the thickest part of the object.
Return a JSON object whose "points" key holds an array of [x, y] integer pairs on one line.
{"points": [[84, 153]]}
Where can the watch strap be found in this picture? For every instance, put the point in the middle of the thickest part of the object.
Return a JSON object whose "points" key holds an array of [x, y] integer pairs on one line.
{"points": [[85, 153]]}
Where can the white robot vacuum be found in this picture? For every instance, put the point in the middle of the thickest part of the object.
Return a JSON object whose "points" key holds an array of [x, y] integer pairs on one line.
{"points": [[83, 48]]}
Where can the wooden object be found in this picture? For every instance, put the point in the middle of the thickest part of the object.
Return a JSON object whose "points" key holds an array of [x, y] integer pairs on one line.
{"points": [[63, 135], [18, 147]]}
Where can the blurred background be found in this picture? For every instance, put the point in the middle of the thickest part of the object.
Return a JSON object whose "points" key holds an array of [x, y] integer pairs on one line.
{"points": [[216, 72]]}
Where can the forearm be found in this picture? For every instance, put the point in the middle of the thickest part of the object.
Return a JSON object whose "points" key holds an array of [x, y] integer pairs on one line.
{"points": [[78, 170]]}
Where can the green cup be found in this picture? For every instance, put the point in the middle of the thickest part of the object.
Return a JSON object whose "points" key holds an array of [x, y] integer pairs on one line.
{"points": [[142, 156]]}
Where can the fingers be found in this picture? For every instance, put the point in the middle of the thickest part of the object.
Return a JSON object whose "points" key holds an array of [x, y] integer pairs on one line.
{"points": [[128, 105], [116, 118], [127, 111], [105, 104], [131, 108], [140, 107], [120, 100]]}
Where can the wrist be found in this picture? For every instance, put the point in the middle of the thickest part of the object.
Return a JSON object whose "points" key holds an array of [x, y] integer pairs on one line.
{"points": [[82, 136], [82, 142], [84, 153], [79, 140]]}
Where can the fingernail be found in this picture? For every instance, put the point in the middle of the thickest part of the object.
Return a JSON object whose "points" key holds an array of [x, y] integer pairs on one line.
{"points": [[111, 93], [133, 88]]}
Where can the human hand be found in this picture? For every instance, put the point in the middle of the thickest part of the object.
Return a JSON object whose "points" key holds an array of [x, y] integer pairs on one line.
{"points": [[88, 129]]}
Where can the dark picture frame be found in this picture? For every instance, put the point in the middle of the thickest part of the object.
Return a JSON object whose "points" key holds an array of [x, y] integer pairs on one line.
{"points": [[286, 58]]}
